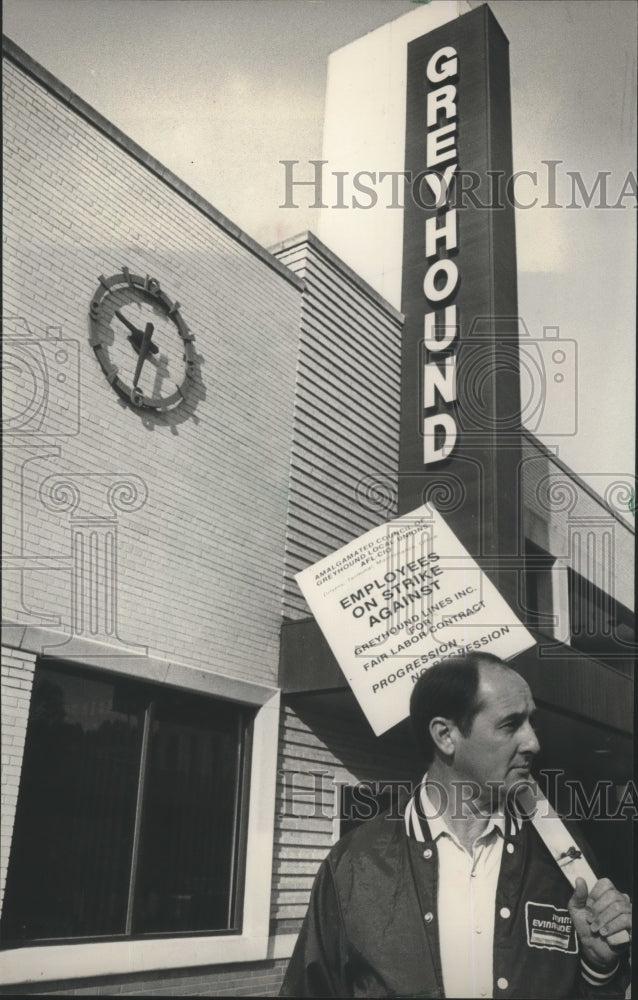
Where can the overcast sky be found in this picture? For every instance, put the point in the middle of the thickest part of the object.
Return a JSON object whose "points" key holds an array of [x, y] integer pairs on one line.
{"points": [[221, 90]]}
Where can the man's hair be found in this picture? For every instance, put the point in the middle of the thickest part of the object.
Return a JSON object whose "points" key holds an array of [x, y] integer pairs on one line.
{"points": [[448, 689]]}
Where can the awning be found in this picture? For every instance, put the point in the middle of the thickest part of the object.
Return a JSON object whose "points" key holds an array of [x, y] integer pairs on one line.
{"points": [[558, 675]]}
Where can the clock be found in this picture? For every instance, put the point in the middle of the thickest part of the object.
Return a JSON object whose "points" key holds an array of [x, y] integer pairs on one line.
{"points": [[141, 341]]}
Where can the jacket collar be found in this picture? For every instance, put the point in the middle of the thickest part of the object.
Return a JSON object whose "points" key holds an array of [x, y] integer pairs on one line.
{"points": [[420, 811]]}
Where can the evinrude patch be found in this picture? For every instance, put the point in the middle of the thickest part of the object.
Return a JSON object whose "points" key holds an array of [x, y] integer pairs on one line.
{"points": [[550, 927]]}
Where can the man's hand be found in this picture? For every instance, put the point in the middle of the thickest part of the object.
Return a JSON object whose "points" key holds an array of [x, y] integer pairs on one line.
{"points": [[600, 918]]}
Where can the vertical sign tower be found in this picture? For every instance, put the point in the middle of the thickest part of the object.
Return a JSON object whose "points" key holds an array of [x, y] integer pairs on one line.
{"points": [[460, 407]]}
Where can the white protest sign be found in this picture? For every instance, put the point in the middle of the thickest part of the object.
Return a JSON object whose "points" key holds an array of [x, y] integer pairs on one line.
{"points": [[399, 599]]}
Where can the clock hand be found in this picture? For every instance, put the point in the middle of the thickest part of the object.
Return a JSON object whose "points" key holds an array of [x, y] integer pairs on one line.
{"points": [[136, 336], [144, 349], [126, 322], [135, 339]]}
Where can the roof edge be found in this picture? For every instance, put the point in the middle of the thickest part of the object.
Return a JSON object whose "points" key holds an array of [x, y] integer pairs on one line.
{"points": [[548, 453], [309, 237], [51, 83]]}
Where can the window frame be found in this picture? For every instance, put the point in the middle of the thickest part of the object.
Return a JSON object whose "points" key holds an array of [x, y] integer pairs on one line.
{"points": [[79, 958], [152, 696], [540, 588]]}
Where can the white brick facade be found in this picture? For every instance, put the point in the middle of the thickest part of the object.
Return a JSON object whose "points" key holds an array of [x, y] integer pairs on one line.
{"points": [[203, 506], [17, 681], [150, 545]]}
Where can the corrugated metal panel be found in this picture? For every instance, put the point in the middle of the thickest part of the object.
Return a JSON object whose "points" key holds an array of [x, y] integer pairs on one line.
{"points": [[346, 434], [346, 425]]}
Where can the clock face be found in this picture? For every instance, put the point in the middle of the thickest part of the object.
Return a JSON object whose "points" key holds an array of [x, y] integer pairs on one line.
{"points": [[142, 341]]}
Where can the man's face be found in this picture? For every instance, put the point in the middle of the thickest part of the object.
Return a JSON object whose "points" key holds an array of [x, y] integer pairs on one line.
{"points": [[501, 744]]}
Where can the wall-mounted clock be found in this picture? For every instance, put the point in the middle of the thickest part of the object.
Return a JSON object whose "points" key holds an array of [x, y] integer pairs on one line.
{"points": [[141, 341]]}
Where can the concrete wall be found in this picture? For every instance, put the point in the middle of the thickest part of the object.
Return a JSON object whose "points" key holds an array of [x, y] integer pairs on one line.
{"points": [[364, 131]]}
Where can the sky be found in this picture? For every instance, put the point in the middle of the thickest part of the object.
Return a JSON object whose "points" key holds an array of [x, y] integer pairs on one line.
{"points": [[220, 91]]}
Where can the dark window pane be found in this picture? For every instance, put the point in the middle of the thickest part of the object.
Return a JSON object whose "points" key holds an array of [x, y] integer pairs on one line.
{"points": [[600, 626], [71, 851], [538, 587], [188, 849]]}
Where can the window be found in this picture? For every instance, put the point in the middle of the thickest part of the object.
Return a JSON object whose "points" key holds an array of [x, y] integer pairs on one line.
{"points": [[131, 811], [538, 587], [600, 626]]}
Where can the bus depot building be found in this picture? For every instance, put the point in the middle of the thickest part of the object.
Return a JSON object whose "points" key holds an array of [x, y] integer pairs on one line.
{"points": [[189, 421]]}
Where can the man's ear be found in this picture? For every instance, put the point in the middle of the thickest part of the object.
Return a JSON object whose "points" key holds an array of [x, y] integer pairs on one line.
{"points": [[443, 733]]}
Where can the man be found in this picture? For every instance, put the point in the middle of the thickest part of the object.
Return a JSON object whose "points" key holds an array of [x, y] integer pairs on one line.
{"points": [[460, 898]]}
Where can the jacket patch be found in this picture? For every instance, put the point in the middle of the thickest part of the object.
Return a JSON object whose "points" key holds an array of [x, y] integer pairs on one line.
{"points": [[551, 928]]}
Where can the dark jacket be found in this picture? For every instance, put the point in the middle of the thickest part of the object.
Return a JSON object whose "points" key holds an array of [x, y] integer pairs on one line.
{"points": [[371, 929]]}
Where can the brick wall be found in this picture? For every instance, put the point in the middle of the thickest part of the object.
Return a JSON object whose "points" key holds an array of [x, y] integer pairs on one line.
{"points": [[202, 511], [325, 742], [188, 507], [262, 979], [17, 681]]}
